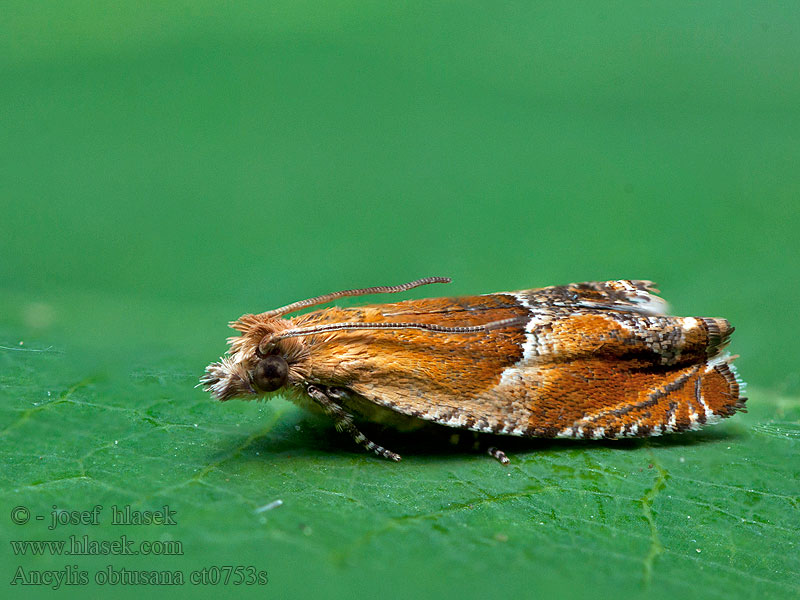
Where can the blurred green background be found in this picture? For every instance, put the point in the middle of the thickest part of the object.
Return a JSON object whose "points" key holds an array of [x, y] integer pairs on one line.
{"points": [[166, 167]]}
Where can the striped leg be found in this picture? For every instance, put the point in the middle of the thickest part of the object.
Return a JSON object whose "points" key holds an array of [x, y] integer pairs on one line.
{"points": [[344, 422], [498, 455]]}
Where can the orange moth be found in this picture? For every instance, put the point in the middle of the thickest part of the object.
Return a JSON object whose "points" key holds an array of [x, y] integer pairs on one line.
{"points": [[585, 360]]}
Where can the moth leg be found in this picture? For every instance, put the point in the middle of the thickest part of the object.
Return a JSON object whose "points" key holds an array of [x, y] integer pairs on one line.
{"points": [[343, 422], [498, 454]]}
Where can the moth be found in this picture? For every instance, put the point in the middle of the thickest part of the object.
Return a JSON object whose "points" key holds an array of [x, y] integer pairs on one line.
{"points": [[586, 360]]}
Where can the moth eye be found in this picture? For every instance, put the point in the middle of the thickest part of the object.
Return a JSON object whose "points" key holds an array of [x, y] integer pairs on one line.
{"points": [[271, 373]]}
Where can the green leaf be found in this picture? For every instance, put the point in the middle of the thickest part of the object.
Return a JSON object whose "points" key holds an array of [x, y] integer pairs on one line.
{"points": [[709, 514]]}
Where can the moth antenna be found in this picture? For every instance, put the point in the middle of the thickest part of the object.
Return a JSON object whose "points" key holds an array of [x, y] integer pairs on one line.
{"points": [[424, 326], [382, 289]]}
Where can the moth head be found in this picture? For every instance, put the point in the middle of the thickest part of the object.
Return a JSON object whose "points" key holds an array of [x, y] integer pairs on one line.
{"points": [[254, 367]]}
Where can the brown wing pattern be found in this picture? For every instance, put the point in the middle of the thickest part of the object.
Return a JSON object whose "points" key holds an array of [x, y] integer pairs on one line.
{"points": [[597, 359]]}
